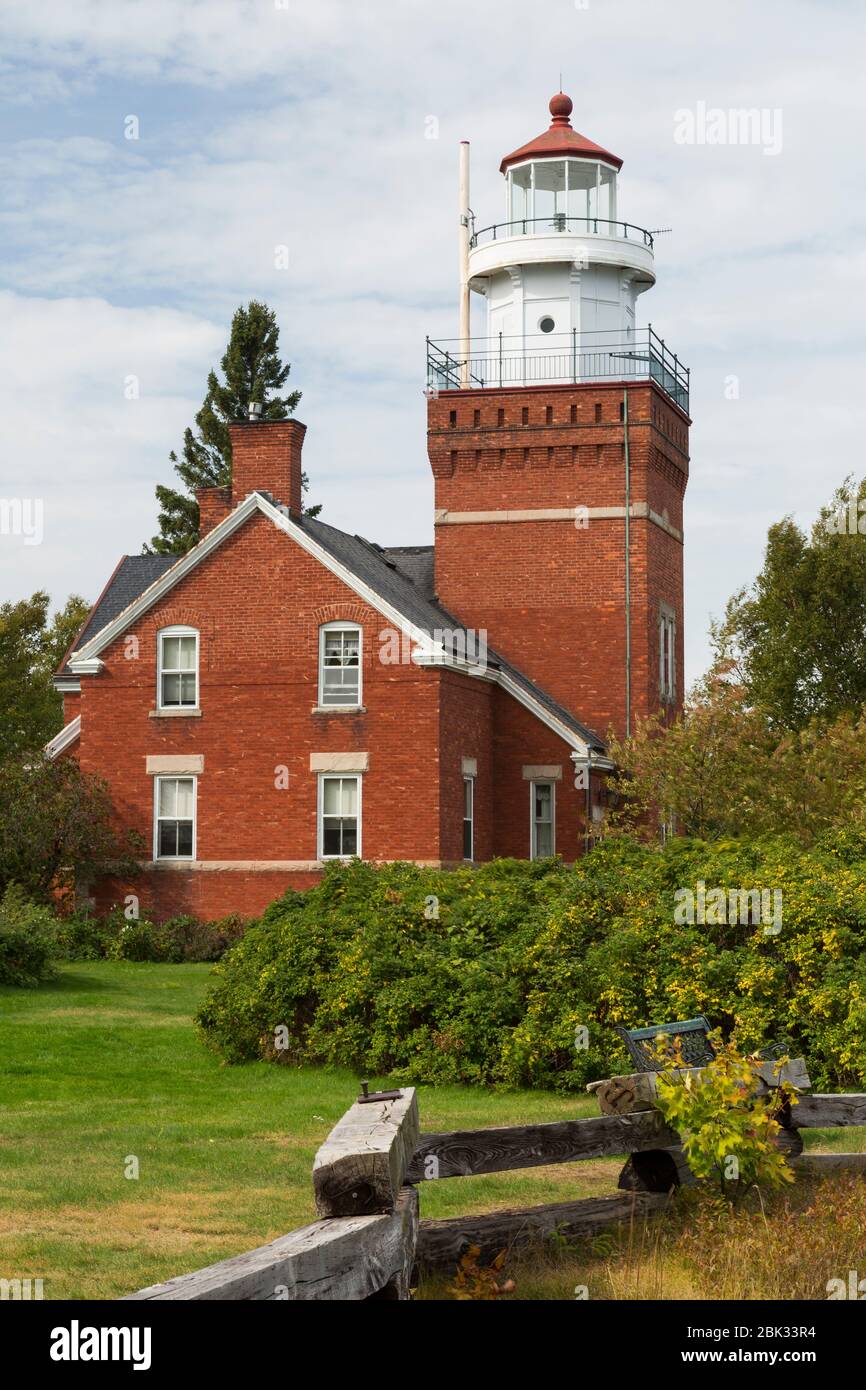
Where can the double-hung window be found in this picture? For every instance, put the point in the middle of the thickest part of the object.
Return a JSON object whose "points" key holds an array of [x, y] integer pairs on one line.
{"points": [[339, 665], [178, 668], [468, 817], [174, 818], [339, 816], [542, 819], [667, 655]]}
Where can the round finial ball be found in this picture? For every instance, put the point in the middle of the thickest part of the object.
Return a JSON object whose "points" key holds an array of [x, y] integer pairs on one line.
{"points": [[561, 105]]}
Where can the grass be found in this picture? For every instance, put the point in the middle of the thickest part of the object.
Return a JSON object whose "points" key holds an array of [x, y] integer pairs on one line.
{"points": [[103, 1065], [782, 1246]]}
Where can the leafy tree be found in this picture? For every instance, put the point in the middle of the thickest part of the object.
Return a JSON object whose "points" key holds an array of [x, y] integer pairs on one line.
{"points": [[724, 769], [31, 649], [56, 824], [252, 371], [797, 634]]}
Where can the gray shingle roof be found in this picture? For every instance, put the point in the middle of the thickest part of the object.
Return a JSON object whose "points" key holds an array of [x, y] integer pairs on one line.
{"points": [[133, 575], [402, 575]]}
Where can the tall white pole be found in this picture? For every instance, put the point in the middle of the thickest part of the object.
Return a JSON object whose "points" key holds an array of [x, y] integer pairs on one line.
{"points": [[463, 199]]}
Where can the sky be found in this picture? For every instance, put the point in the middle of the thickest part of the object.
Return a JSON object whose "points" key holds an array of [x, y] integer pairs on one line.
{"points": [[155, 156]]}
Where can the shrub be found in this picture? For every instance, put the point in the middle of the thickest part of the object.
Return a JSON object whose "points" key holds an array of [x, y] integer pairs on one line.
{"points": [[491, 975], [27, 939], [82, 937], [726, 1119], [191, 940], [175, 941]]}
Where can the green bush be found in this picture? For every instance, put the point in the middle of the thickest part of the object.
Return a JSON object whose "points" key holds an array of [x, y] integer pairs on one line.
{"points": [[191, 940], [27, 939], [175, 941], [491, 975], [82, 937]]}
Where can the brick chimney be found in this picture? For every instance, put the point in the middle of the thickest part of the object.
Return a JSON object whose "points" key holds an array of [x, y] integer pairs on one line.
{"points": [[214, 505], [266, 457]]}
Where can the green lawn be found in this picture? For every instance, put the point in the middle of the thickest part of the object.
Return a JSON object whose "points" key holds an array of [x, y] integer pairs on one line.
{"points": [[104, 1063]]}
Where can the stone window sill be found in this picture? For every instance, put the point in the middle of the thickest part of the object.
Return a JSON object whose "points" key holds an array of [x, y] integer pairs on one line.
{"points": [[339, 709], [174, 714]]}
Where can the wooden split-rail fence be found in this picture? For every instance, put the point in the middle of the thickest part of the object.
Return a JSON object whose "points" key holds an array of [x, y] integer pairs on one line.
{"points": [[370, 1243]]}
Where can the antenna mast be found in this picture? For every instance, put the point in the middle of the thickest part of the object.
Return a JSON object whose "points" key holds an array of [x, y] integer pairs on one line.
{"points": [[463, 200]]}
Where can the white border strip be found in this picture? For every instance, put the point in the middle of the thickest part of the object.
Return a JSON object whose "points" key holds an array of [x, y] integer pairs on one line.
{"points": [[67, 736]]}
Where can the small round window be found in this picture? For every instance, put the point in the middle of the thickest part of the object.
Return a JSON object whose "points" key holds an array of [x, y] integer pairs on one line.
{"points": [[546, 324]]}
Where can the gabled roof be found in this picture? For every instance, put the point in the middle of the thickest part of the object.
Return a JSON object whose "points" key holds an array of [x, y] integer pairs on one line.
{"points": [[397, 582], [133, 575], [560, 140]]}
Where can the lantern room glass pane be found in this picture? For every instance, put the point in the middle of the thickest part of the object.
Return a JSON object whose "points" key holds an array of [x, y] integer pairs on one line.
{"points": [[549, 190], [607, 194], [520, 182], [581, 189]]}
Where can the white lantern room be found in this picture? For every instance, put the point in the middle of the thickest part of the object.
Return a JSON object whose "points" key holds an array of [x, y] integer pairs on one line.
{"points": [[562, 272]]}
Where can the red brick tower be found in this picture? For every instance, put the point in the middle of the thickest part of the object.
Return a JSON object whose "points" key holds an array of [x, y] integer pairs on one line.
{"points": [[559, 442]]}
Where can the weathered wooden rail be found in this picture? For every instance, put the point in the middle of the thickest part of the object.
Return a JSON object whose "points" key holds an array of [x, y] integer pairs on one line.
{"points": [[369, 1239]]}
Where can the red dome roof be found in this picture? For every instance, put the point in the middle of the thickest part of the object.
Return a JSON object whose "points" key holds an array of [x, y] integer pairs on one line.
{"points": [[560, 140]]}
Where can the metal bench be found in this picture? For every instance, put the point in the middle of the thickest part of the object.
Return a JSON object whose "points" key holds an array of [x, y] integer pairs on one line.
{"points": [[697, 1050]]}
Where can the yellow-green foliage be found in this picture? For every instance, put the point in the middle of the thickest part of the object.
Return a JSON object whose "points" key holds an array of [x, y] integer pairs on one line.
{"points": [[491, 975], [727, 1125]]}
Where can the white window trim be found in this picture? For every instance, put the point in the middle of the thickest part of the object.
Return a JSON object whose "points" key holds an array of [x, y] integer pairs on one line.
{"points": [[320, 820], [174, 858], [339, 626], [471, 781], [542, 782], [178, 631]]}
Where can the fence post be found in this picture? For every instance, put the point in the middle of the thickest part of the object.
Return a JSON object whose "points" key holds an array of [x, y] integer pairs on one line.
{"points": [[360, 1168]]}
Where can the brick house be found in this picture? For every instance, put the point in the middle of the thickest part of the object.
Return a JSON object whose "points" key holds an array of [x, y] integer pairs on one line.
{"points": [[287, 693]]}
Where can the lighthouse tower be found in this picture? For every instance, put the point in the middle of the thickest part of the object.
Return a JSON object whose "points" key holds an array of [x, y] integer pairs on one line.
{"points": [[559, 439]]}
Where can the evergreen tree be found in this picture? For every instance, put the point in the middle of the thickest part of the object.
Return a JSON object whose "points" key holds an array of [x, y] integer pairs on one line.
{"points": [[252, 371]]}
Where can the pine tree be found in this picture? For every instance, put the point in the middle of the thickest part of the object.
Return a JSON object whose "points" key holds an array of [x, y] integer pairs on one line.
{"points": [[252, 371]]}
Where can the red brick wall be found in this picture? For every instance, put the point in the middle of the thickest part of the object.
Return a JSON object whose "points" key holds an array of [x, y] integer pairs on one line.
{"points": [[214, 505], [552, 595], [520, 739], [258, 602], [71, 705], [465, 722]]}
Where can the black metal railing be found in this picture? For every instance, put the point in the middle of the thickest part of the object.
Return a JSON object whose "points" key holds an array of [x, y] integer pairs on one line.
{"points": [[558, 358], [575, 226]]}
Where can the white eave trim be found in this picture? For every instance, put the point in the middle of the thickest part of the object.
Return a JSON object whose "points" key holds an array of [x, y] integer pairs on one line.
{"points": [[81, 661], [67, 685], [85, 666], [86, 662], [67, 736]]}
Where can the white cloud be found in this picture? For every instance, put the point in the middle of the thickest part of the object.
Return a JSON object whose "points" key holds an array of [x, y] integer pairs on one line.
{"points": [[305, 126], [77, 441]]}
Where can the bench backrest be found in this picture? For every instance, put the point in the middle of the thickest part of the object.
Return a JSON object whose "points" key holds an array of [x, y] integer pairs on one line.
{"points": [[697, 1050]]}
